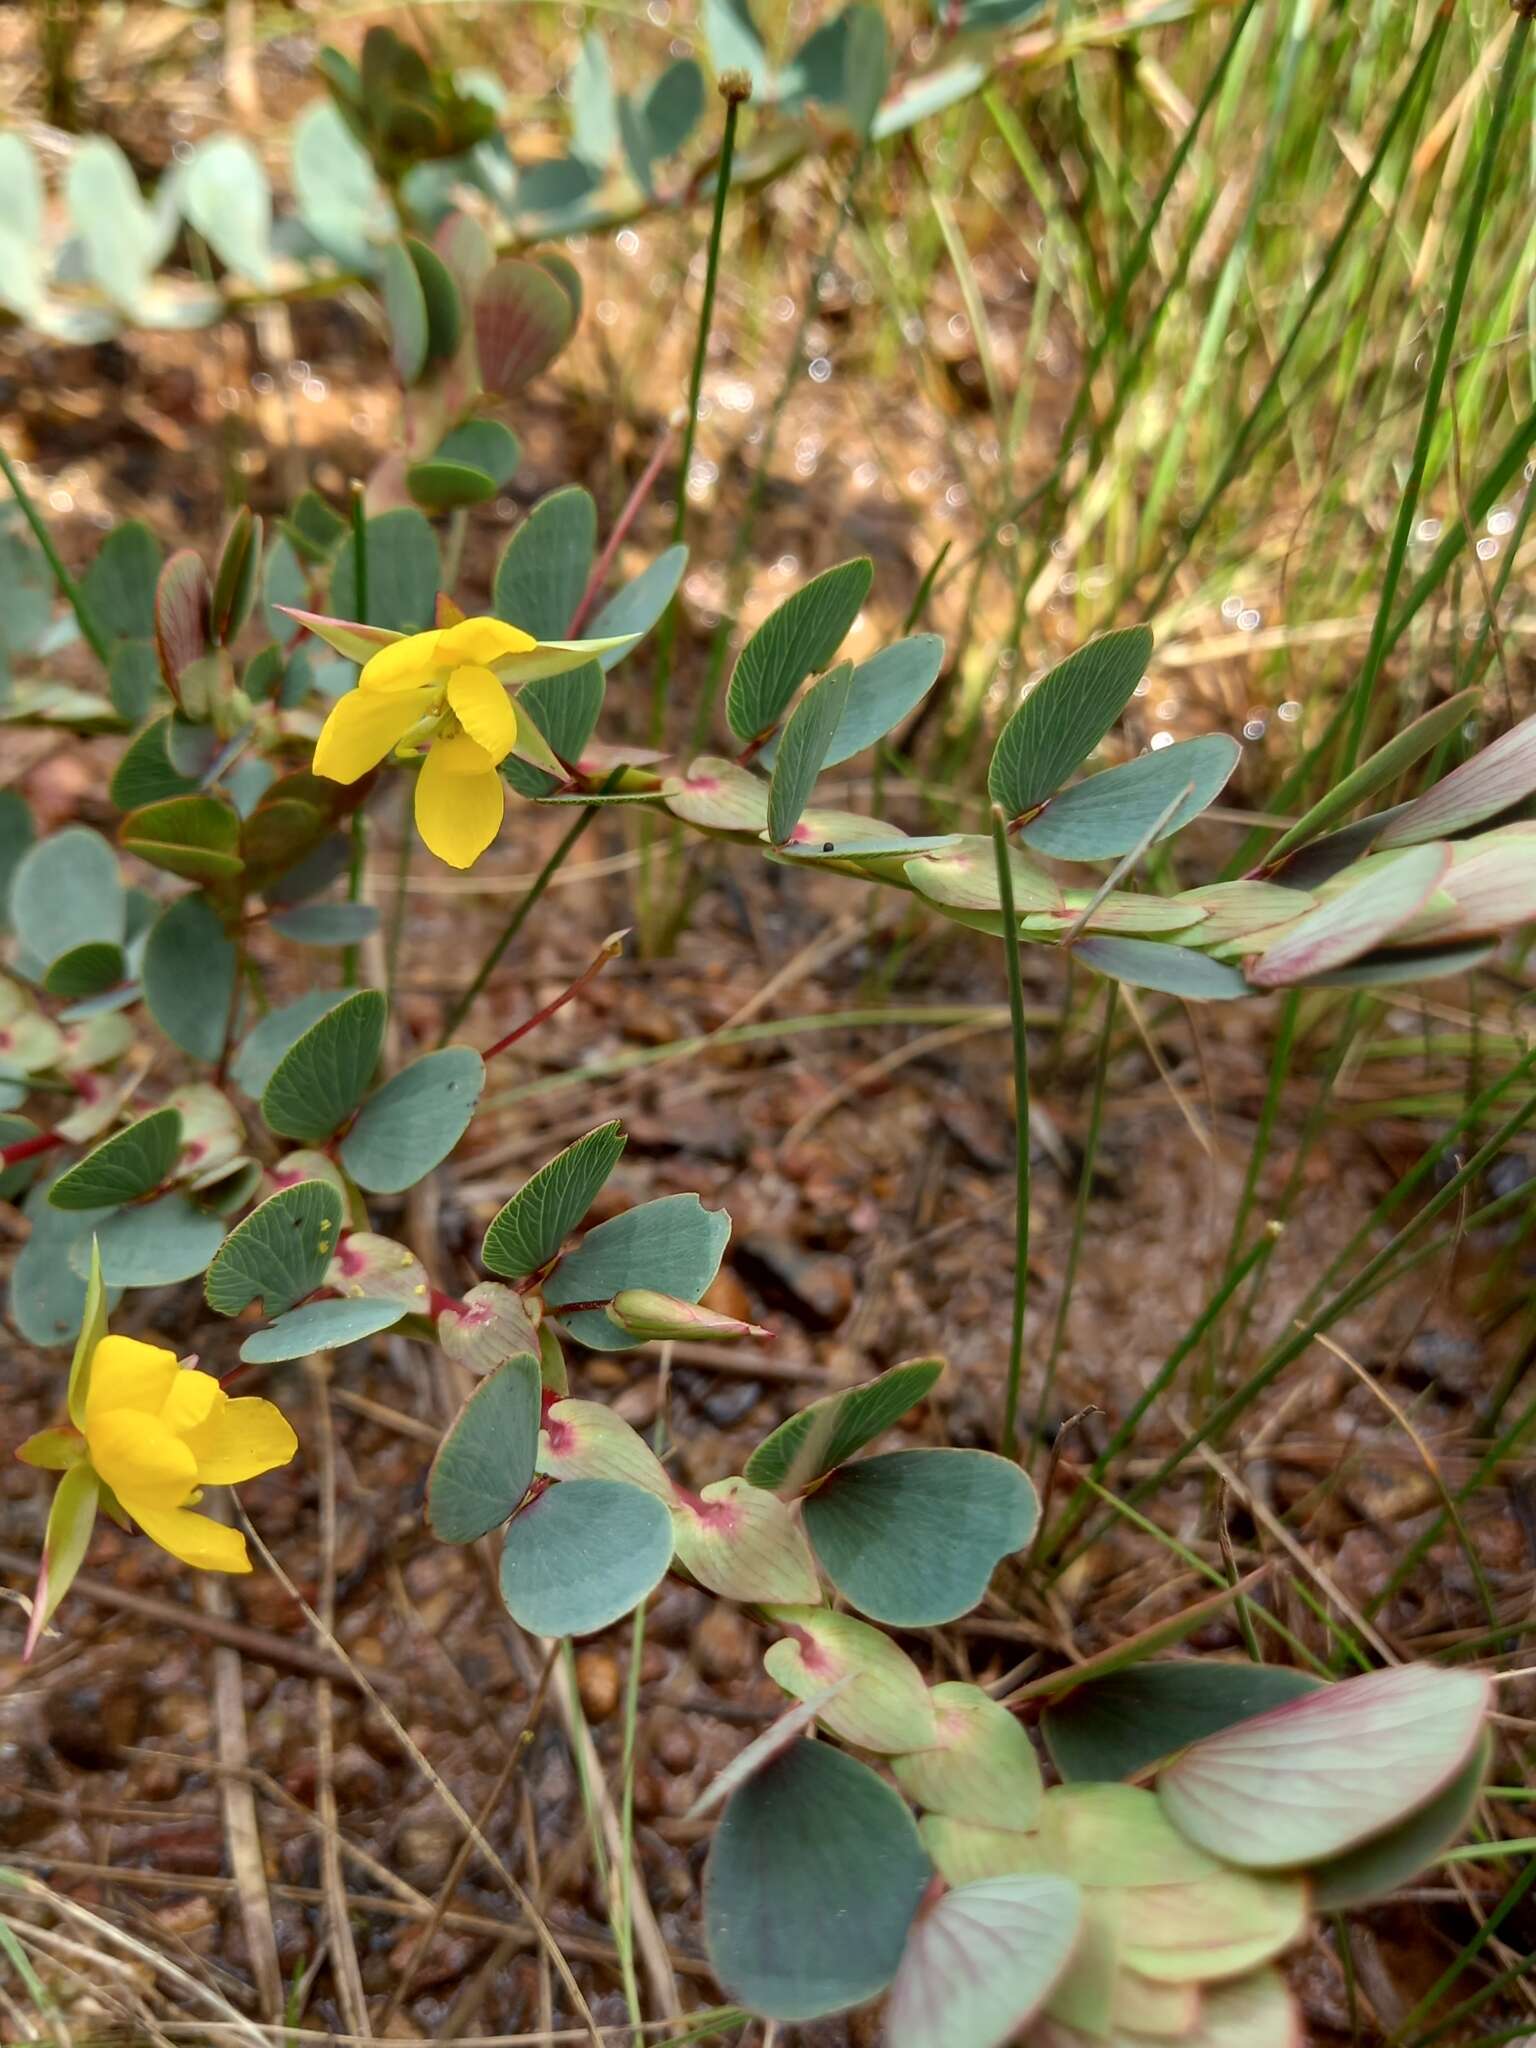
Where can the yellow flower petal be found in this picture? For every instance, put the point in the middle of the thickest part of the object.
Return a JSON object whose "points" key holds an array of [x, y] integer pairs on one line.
{"points": [[403, 664], [128, 1374], [194, 1539], [459, 801], [192, 1399], [483, 708], [363, 726], [240, 1439], [483, 641], [140, 1459]]}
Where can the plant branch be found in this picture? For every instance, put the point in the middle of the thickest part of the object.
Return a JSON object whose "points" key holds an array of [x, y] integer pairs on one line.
{"points": [[1013, 968], [517, 920], [73, 595], [609, 950], [633, 505]]}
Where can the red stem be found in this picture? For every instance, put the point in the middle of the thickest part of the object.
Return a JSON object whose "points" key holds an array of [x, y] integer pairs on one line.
{"points": [[609, 952], [626, 519], [29, 1148]]}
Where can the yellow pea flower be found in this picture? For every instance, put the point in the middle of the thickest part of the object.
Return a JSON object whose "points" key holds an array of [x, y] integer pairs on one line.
{"points": [[445, 693], [435, 690], [156, 1432]]}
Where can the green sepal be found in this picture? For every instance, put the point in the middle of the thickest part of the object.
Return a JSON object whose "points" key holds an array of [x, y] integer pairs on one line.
{"points": [[93, 1327], [52, 1450]]}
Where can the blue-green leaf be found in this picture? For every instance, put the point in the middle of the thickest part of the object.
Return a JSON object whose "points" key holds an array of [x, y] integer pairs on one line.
{"points": [[340, 199], [327, 924], [673, 1245], [527, 1231], [279, 1253], [823, 1436], [126, 1166], [189, 976], [66, 892], [802, 750], [544, 567], [323, 1075], [1064, 717], [120, 583], [795, 640], [911, 1539], [637, 607], [1112, 813], [256, 1061], [48, 1280], [1175, 970], [594, 116], [153, 1245], [812, 1884], [403, 572], [226, 197], [321, 1326], [484, 1464], [735, 44], [1113, 1727], [413, 1122], [582, 1555], [885, 689]]}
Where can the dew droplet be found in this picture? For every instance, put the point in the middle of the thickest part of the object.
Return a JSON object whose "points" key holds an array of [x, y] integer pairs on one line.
{"points": [[1159, 740]]}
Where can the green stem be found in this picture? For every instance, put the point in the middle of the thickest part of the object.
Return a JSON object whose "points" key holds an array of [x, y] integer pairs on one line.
{"points": [[742, 545], [1014, 971], [398, 908], [1080, 1207], [352, 954], [360, 553], [624, 1933], [653, 922], [73, 595], [1407, 511], [517, 920], [662, 677]]}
